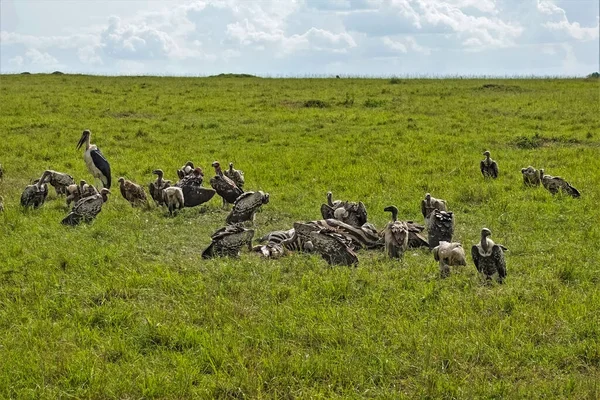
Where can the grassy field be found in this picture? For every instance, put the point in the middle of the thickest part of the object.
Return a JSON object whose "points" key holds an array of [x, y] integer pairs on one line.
{"points": [[126, 307]]}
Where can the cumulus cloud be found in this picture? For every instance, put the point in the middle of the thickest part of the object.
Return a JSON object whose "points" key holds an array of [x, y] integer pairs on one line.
{"points": [[404, 45], [124, 41], [302, 36]]}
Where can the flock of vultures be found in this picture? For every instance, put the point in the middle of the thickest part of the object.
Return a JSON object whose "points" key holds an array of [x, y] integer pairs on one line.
{"points": [[343, 229]]}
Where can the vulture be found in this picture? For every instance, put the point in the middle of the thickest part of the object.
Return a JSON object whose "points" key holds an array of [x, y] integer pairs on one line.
{"points": [[555, 183], [449, 254], [489, 167], [489, 257], [157, 186], [224, 186], [246, 206], [415, 239], [1, 203], [334, 204], [185, 170], [77, 192], [236, 175], [73, 194], [351, 213], [333, 247], [132, 192], [94, 160], [194, 178], [531, 176], [35, 195], [173, 198], [395, 235], [193, 192], [228, 241], [428, 204], [441, 227], [59, 180], [270, 250], [87, 208]]}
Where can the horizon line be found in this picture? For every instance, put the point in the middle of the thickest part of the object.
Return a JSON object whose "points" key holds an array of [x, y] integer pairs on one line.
{"points": [[315, 76]]}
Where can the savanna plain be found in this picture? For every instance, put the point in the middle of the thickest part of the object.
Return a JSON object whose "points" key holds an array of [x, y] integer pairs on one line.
{"points": [[125, 307]]}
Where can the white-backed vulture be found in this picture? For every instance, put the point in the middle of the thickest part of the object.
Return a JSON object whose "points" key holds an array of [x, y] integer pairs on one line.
{"points": [[531, 176], [236, 175], [554, 184], [132, 192], [246, 206], [441, 227], [489, 257], [449, 254], [157, 187], [34, 195], [489, 167], [430, 203], [173, 198], [395, 235], [87, 208], [225, 187], [333, 247], [228, 241], [59, 180]]}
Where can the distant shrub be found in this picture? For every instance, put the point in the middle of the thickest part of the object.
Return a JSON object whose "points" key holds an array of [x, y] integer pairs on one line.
{"points": [[58, 73], [25, 73], [233, 76], [315, 104], [593, 75], [524, 142], [373, 103], [537, 140], [395, 81], [500, 88]]}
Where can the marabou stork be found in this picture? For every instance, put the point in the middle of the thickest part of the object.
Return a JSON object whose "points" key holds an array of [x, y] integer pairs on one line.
{"points": [[95, 161]]}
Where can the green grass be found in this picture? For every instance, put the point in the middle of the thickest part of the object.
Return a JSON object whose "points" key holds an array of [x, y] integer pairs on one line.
{"points": [[126, 307]]}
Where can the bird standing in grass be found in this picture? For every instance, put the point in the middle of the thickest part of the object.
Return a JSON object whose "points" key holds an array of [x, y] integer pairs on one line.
{"points": [[132, 192], [185, 170], [59, 180], [173, 198], [430, 203], [489, 257], [449, 254], [87, 208], [157, 187], [35, 195], [224, 186], [489, 167], [395, 235], [94, 160], [531, 176], [236, 175]]}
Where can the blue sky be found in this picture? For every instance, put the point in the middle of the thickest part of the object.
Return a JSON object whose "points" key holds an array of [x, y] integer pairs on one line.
{"points": [[301, 37]]}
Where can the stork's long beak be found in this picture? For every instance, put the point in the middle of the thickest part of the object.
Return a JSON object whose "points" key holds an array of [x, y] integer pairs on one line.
{"points": [[81, 141]]}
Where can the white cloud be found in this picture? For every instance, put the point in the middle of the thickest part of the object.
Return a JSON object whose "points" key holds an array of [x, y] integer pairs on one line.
{"points": [[36, 57], [404, 45], [304, 36], [16, 61]]}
